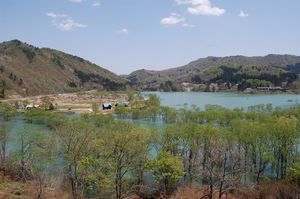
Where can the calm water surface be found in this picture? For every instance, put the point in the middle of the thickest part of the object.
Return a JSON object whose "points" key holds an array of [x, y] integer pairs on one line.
{"points": [[228, 100], [176, 100]]}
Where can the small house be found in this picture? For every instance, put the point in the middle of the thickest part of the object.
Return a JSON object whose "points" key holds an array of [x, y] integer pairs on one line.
{"points": [[107, 106], [31, 106]]}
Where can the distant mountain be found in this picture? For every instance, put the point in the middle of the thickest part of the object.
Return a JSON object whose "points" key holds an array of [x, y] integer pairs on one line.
{"points": [[28, 70], [279, 70]]}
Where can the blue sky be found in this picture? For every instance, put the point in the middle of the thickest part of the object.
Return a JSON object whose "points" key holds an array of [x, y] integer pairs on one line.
{"points": [[126, 35]]}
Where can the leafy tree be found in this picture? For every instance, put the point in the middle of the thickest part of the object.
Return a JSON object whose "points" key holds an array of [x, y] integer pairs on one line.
{"points": [[46, 104], [293, 173], [152, 101], [40, 157], [125, 147], [7, 111], [284, 130], [166, 170], [168, 86], [4, 135], [75, 139], [34, 153]]}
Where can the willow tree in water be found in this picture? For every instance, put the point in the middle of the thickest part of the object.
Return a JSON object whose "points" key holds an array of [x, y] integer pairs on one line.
{"points": [[7, 112], [166, 169], [75, 138], [125, 148], [285, 134]]}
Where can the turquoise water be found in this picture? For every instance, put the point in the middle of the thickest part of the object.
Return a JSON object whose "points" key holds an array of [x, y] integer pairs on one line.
{"points": [[228, 100], [174, 99], [177, 100]]}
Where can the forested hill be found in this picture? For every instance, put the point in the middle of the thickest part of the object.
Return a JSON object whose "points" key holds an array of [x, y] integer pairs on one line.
{"points": [[28, 70], [277, 70]]}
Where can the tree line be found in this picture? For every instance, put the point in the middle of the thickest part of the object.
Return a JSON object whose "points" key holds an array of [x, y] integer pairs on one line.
{"points": [[222, 150]]}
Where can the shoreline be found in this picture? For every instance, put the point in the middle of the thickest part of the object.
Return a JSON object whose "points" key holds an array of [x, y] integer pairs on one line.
{"points": [[290, 92]]}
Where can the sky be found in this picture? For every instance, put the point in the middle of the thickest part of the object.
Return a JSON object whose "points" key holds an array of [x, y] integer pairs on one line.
{"points": [[127, 35]]}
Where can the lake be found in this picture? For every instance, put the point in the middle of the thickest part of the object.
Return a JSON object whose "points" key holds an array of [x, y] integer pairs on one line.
{"points": [[228, 100], [182, 100], [174, 99]]}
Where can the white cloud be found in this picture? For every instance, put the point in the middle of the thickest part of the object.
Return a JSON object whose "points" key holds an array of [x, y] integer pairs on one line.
{"points": [[68, 24], [206, 10], [76, 1], [64, 22], [54, 15], [172, 19], [186, 25], [96, 3], [193, 2], [124, 31], [202, 7], [243, 14]]}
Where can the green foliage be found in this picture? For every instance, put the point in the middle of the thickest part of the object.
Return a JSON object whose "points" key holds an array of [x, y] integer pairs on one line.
{"points": [[125, 147], [95, 107], [145, 108], [96, 78], [166, 169], [37, 79], [53, 120], [98, 120], [57, 60], [7, 111], [217, 147], [254, 83], [4, 135], [46, 104], [35, 154], [293, 173], [29, 53], [251, 77], [152, 101], [121, 110], [76, 142], [168, 86], [196, 79]]}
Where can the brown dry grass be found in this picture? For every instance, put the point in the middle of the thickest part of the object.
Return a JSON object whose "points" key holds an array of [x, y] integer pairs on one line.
{"points": [[275, 190], [10, 189], [196, 192]]}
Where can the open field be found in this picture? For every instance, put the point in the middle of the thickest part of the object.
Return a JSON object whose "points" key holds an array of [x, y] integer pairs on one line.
{"points": [[80, 102]]}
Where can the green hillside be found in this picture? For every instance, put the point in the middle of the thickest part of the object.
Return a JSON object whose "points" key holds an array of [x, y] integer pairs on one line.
{"points": [[28, 70], [270, 70]]}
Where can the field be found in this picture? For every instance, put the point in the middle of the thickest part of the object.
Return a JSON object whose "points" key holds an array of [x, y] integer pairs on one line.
{"points": [[80, 102]]}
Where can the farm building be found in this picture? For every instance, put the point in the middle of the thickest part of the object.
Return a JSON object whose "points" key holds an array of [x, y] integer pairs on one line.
{"points": [[107, 106]]}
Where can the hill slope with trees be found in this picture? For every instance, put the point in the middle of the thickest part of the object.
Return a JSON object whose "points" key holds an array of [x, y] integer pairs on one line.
{"points": [[270, 70], [28, 70]]}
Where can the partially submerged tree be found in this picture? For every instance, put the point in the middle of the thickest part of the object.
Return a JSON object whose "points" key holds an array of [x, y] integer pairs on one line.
{"points": [[125, 147], [166, 169], [4, 135], [75, 138]]}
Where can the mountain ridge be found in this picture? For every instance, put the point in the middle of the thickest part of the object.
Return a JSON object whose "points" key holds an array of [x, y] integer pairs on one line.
{"points": [[202, 69], [29, 70]]}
